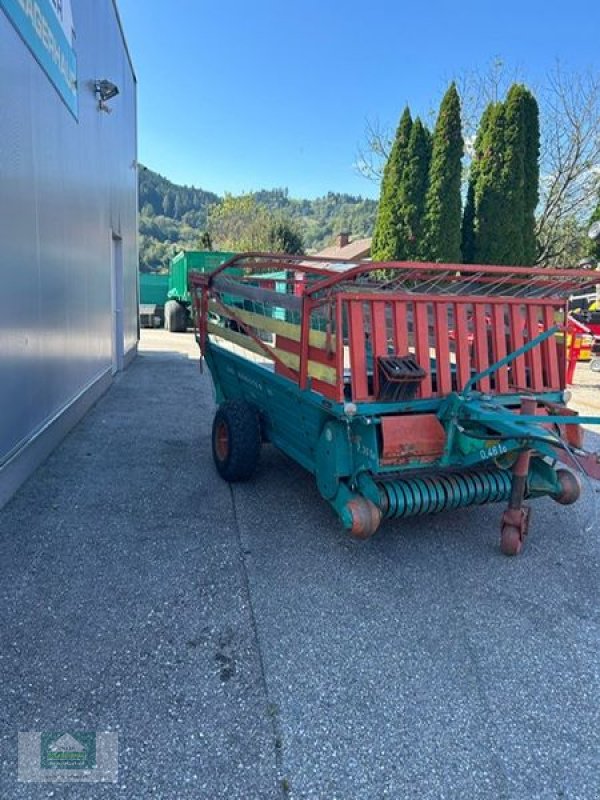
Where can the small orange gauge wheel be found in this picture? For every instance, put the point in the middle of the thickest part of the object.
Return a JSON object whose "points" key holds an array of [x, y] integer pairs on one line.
{"points": [[365, 517], [511, 541], [570, 487]]}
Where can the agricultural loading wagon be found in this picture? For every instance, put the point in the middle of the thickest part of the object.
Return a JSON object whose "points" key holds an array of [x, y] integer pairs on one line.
{"points": [[404, 388]]}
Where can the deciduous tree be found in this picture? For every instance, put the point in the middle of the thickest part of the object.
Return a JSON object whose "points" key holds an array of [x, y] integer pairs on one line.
{"points": [[241, 223]]}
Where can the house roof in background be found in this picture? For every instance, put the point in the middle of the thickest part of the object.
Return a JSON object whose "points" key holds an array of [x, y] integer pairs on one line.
{"points": [[356, 250]]}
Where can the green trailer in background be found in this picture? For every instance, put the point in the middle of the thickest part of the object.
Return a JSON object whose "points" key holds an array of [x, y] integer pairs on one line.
{"points": [[154, 289], [178, 305], [165, 298]]}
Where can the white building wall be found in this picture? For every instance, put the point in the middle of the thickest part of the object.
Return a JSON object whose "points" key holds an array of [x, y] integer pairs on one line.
{"points": [[67, 187]]}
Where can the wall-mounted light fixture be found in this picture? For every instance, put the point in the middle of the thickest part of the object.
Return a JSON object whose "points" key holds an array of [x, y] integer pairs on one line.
{"points": [[105, 90]]}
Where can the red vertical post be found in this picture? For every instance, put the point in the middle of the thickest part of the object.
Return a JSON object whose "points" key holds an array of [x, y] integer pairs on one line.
{"points": [[358, 361], [535, 355], [574, 341], [304, 340], [519, 380], [378, 338], [339, 345], [400, 328], [442, 349], [461, 333], [550, 352], [499, 345], [422, 344], [480, 344]]}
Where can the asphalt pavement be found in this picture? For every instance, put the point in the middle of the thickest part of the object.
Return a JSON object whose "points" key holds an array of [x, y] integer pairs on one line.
{"points": [[243, 647]]}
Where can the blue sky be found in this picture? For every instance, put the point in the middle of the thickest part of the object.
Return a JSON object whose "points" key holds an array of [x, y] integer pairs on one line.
{"points": [[237, 96]]}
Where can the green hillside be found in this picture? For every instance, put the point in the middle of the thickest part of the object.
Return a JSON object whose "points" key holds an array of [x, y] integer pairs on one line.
{"points": [[173, 217]]}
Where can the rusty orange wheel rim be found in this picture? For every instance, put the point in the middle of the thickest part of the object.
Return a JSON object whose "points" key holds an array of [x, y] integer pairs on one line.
{"points": [[221, 441]]}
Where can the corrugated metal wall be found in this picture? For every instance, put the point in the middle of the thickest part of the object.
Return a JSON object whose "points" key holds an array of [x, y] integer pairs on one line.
{"points": [[66, 187]]}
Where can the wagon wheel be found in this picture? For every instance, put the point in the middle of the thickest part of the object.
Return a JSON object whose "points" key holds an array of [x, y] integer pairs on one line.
{"points": [[365, 517], [511, 542], [514, 530], [570, 487], [236, 440]]}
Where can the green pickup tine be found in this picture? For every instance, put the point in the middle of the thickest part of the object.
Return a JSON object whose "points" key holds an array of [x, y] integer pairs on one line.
{"points": [[507, 359]]}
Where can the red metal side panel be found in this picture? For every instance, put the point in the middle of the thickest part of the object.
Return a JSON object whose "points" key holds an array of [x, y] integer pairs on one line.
{"points": [[358, 362], [378, 337], [305, 333], [535, 355], [442, 349], [400, 328], [318, 354], [339, 343], [550, 353], [378, 309], [422, 346], [480, 344], [463, 359], [418, 437], [519, 379], [499, 345], [321, 356], [325, 389]]}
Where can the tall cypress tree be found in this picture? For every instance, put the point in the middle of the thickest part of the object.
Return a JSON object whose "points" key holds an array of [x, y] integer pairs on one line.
{"points": [[491, 207], [389, 234], [505, 181], [414, 189], [531, 162], [443, 201], [513, 177], [468, 232]]}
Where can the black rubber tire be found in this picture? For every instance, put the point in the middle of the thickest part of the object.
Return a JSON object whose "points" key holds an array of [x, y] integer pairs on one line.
{"points": [[175, 317], [237, 422], [182, 318], [169, 312]]}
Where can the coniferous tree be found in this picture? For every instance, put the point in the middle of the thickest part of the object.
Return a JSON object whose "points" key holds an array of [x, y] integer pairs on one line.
{"points": [[177, 206], [443, 202], [490, 200], [531, 163], [414, 189], [513, 178], [468, 232], [389, 234], [205, 241], [168, 204], [505, 181], [467, 235]]}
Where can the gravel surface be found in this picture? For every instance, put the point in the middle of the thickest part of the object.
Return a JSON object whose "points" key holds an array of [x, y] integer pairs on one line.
{"points": [[243, 647]]}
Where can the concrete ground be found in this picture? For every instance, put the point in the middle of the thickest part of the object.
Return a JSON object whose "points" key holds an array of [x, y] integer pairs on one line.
{"points": [[243, 647]]}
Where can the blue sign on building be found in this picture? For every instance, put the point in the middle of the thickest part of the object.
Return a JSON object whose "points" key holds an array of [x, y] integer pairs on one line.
{"points": [[38, 22]]}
